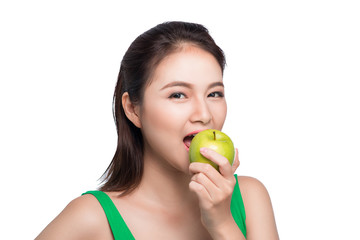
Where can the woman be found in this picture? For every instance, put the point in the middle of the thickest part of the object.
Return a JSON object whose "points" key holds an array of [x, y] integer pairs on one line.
{"points": [[170, 86]]}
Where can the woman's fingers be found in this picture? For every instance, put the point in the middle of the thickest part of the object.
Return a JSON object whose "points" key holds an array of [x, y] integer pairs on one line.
{"points": [[236, 162], [210, 178], [206, 169], [203, 186], [223, 163]]}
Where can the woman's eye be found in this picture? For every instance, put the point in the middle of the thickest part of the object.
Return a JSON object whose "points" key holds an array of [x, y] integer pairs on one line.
{"points": [[177, 95], [216, 94]]}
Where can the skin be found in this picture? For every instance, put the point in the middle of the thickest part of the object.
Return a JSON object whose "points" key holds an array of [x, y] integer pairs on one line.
{"points": [[175, 199]]}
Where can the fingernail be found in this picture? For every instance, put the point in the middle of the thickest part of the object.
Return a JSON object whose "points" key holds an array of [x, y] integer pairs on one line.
{"points": [[203, 150]]}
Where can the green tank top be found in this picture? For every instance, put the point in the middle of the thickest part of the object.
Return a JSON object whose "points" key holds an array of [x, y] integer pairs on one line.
{"points": [[121, 231]]}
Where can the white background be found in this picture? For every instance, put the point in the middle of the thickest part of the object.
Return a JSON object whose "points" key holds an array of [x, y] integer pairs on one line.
{"points": [[292, 85]]}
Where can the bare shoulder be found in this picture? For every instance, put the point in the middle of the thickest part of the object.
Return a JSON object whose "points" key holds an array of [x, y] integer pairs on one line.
{"points": [[254, 194], [86, 214], [260, 219], [251, 186]]}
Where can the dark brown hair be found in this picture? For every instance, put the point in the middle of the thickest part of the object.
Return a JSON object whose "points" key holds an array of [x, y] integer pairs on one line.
{"points": [[144, 54]]}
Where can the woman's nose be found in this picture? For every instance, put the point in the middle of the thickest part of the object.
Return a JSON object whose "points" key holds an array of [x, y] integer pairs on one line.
{"points": [[201, 112]]}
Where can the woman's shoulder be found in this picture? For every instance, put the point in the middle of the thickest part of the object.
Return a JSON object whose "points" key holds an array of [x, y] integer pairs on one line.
{"points": [[86, 214], [260, 219], [86, 210], [253, 191], [251, 185]]}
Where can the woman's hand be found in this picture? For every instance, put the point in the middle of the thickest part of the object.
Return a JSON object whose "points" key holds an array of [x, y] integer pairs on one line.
{"points": [[214, 190]]}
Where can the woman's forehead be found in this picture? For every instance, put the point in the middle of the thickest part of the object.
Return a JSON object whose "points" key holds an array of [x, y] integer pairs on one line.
{"points": [[191, 64]]}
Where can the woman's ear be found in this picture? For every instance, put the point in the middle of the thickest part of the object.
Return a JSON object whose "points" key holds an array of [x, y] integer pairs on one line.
{"points": [[131, 110]]}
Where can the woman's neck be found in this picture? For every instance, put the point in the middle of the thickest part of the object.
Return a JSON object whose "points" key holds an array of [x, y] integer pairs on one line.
{"points": [[162, 184]]}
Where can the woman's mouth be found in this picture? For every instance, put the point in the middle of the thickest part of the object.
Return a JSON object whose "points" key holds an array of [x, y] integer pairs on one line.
{"points": [[188, 138]]}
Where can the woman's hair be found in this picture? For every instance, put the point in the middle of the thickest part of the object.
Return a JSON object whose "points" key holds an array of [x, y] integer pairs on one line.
{"points": [[139, 62]]}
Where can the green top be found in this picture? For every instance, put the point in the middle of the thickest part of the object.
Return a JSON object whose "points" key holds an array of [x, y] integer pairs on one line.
{"points": [[121, 231]]}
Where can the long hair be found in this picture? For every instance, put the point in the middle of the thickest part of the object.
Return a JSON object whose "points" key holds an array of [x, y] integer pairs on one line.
{"points": [[144, 54]]}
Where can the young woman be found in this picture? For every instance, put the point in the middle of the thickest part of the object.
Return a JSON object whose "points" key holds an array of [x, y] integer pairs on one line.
{"points": [[170, 86]]}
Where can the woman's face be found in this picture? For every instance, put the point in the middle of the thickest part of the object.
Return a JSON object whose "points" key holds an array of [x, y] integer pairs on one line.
{"points": [[185, 96]]}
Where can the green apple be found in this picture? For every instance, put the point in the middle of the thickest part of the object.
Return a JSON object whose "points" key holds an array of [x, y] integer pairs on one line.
{"points": [[215, 140]]}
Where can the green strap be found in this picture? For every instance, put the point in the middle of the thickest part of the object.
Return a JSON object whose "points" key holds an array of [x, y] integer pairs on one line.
{"points": [[118, 226], [237, 208]]}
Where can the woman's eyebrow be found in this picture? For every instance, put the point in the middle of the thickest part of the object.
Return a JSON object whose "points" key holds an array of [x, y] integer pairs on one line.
{"points": [[189, 85], [215, 84], [177, 84]]}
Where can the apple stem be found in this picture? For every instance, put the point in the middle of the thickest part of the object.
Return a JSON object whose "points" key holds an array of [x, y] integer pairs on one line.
{"points": [[214, 135]]}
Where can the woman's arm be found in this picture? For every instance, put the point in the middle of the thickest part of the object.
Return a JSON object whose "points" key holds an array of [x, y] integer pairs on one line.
{"points": [[82, 218], [260, 220]]}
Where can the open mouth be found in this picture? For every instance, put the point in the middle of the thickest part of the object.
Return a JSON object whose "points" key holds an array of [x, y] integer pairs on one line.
{"points": [[188, 138]]}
